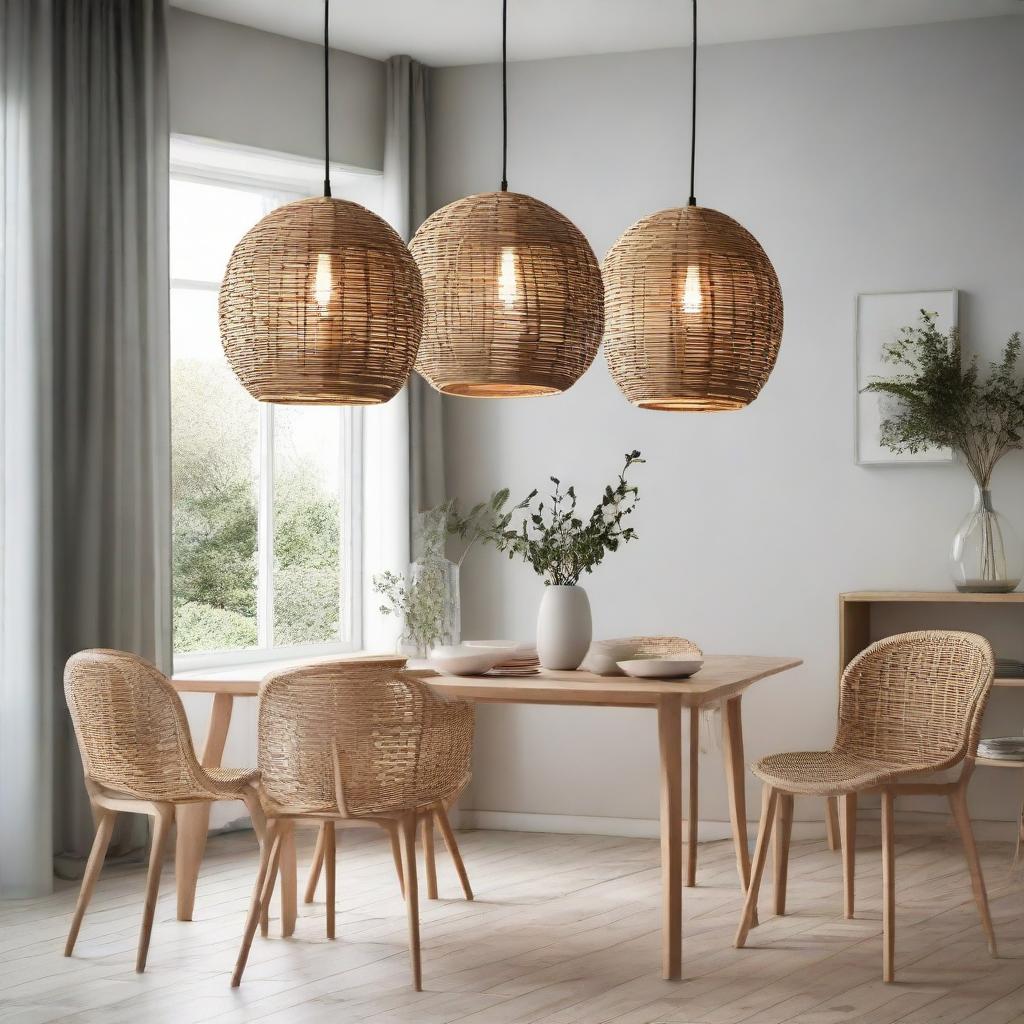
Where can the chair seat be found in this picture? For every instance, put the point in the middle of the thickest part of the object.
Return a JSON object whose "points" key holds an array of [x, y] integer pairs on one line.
{"points": [[828, 772], [232, 780]]}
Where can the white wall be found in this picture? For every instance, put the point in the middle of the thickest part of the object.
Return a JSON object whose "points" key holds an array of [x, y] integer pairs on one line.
{"points": [[237, 84], [883, 160]]}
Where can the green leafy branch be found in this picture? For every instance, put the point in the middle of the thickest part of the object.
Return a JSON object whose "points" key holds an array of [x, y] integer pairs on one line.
{"points": [[942, 402], [552, 536], [422, 601]]}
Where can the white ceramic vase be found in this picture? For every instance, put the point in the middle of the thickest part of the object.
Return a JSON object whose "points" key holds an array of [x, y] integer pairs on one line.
{"points": [[563, 627]]}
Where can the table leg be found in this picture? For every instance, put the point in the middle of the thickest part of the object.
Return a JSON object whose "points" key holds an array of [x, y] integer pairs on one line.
{"points": [[194, 819], [670, 742], [735, 774], [735, 778], [692, 810]]}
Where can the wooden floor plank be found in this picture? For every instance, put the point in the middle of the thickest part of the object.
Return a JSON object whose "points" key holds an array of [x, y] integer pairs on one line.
{"points": [[564, 930]]}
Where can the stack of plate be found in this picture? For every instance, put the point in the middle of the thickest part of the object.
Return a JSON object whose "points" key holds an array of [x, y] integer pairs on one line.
{"points": [[523, 661], [1002, 748], [517, 659]]}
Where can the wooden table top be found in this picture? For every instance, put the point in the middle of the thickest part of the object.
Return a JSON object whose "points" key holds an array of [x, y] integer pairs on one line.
{"points": [[722, 676]]}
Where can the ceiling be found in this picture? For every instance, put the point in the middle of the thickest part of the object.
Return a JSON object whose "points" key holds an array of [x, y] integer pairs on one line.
{"points": [[446, 32]]}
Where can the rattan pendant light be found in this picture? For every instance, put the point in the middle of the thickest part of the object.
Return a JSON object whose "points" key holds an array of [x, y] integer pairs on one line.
{"points": [[513, 300], [321, 302], [693, 308]]}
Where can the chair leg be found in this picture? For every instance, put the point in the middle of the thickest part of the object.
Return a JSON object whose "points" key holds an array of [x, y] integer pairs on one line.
{"points": [[783, 831], [832, 822], [317, 865], [769, 800], [848, 834], [888, 887], [1018, 852], [412, 906], [253, 805], [329, 858], [692, 809], [429, 865], [288, 881], [104, 829], [162, 821], [958, 804], [396, 853], [272, 869], [441, 817], [260, 897]]}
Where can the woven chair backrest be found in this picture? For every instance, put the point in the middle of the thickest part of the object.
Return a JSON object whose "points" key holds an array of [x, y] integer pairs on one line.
{"points": [[360, 723], [916, 698], [131, 728]]}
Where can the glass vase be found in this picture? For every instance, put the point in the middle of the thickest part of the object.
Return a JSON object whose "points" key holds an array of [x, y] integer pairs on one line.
{"points": [[987, 557], [432, 617]]}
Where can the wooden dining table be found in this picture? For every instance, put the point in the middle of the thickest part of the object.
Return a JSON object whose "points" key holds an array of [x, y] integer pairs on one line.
{"points": [[722, 681]]}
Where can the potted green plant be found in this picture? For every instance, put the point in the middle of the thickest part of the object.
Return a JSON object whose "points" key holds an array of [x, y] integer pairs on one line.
{"points": [[561, 546], [941, 401]]}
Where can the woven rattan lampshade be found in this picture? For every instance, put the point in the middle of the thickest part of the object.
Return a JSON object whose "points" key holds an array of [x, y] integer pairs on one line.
{"points": [[693, 312], [321, 303], [512, 298]]}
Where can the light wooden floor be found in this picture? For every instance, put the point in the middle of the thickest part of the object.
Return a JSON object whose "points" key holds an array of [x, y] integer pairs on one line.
{"points": [[564, 931]]}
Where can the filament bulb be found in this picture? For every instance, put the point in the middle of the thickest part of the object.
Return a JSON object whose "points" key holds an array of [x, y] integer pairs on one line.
{"points": [[322, 282], [692, 300], [508, 290]]}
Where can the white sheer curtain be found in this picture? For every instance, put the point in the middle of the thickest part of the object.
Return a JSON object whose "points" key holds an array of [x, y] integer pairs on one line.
{"points": [[26, 506], [84, 360], [403, 453]]}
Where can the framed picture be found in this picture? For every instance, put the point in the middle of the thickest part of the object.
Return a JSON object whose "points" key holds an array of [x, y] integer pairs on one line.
{"points": [[879, 318]]}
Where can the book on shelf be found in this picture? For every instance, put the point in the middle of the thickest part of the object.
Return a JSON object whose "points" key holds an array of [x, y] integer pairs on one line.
{"points": [[1002, 748], [1009, 668]]}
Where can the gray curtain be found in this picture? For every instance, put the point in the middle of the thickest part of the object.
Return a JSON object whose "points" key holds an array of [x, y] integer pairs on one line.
{"points": [[405, 179], [85, 429]]}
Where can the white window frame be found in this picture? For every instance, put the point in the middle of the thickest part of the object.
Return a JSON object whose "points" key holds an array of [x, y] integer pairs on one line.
{"points": [[283, 179]]}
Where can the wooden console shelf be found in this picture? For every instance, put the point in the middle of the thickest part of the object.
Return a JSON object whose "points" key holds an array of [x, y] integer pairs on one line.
{"points": [[855, 615], [930, 597], [998, 762]]}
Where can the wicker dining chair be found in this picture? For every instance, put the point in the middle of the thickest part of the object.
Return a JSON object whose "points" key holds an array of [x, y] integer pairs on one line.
{"points": [[340, 744], [909, 706], [137, 758], [428, 819]]}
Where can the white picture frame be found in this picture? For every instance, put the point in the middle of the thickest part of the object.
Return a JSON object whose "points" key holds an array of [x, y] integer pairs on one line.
{"points": [[878, 319]]}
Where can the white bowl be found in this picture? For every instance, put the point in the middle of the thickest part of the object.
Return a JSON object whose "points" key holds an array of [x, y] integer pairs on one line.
{"points": [[464, 661], [661, 668], [604, 656]]}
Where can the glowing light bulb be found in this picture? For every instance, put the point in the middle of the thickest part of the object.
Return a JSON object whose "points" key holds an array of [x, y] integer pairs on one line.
{"points": [[692, 300], [322, 282], [508, 290]]}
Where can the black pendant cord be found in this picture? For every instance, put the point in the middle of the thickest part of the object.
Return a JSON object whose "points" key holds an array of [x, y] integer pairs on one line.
{"points": [[504, 95], [693, 109], [327, 103]]}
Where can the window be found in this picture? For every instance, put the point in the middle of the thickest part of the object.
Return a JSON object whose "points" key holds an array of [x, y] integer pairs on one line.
{"points": [[265, 497]]}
